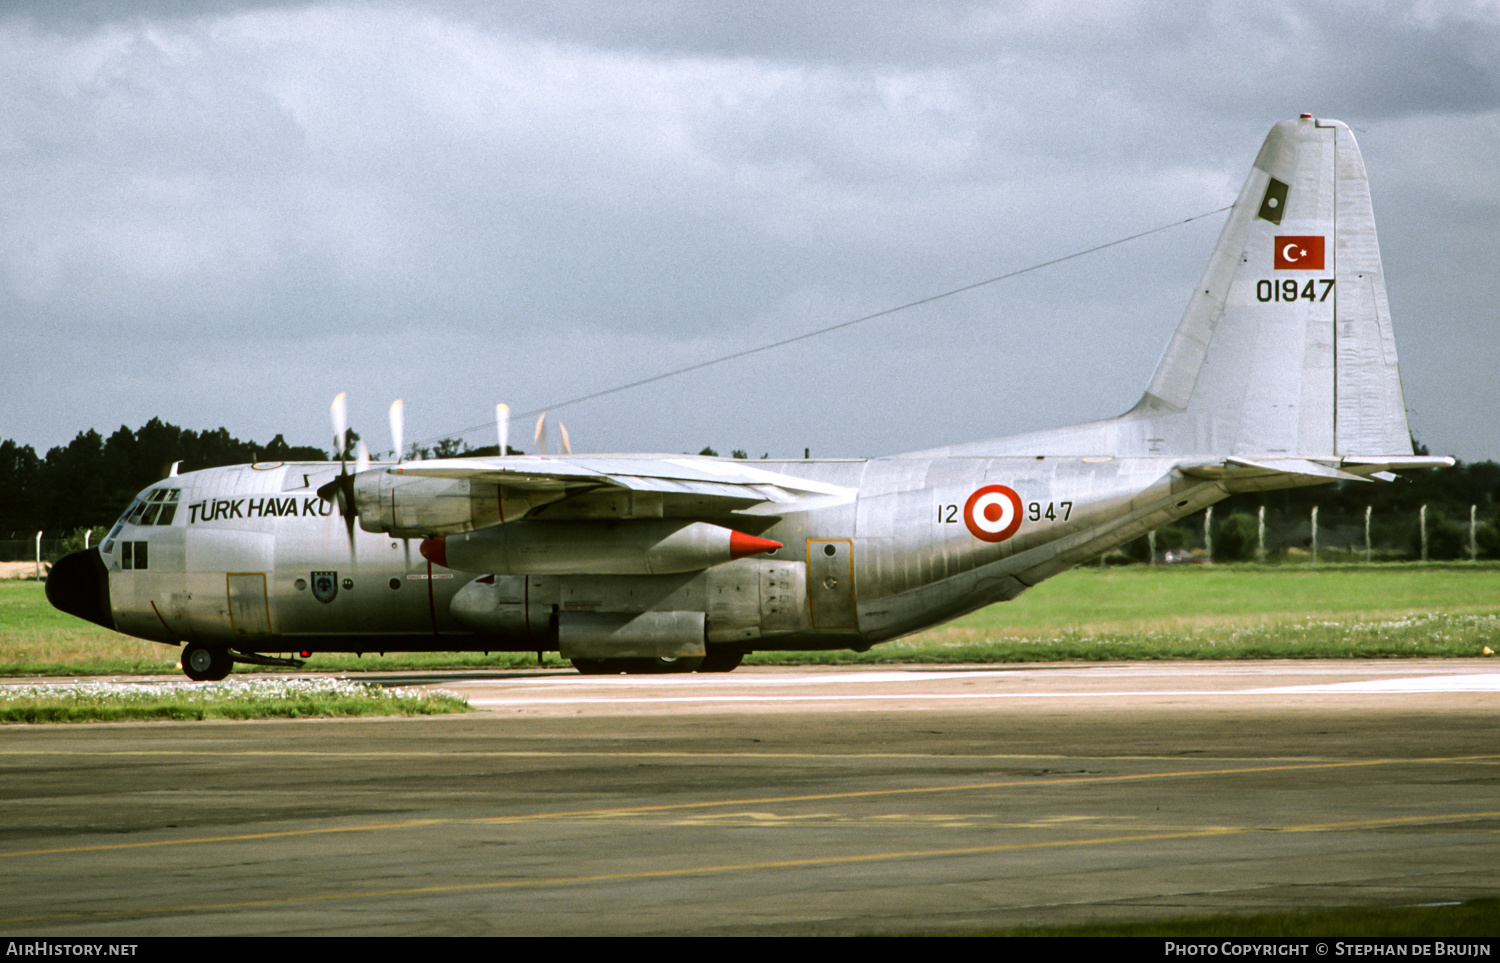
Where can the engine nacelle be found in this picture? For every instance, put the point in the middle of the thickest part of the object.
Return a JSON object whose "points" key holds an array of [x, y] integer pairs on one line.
{"points": [[414, 506]]}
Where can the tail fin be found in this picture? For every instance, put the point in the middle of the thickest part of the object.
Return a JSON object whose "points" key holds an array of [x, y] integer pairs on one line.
{"points": [[1286, 347]]}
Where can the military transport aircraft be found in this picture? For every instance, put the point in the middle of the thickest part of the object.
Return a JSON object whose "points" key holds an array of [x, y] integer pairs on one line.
{"points": [[1282, 372]]}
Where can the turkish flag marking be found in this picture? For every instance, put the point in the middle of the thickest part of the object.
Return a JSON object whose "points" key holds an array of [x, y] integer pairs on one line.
{"points": [[1299, 253]]}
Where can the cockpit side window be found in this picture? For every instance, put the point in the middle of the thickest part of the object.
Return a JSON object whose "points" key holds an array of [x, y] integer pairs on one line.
{"points": [[133, 555]]}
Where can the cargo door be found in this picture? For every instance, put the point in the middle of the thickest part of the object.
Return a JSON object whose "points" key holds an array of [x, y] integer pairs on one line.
{"points": [[249, 612]]}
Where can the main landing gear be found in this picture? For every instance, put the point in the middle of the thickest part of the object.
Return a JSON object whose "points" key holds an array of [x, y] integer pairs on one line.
{"points": [[717, 660]]}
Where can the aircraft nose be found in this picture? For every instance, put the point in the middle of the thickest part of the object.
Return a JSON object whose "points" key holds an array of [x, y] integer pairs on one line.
{"points": [[79, 585]]}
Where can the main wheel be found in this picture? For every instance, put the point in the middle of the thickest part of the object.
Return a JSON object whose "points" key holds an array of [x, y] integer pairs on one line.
{"points": [[659, 666], [686, 663], [204, 664], [598, 666], [722, 660]]}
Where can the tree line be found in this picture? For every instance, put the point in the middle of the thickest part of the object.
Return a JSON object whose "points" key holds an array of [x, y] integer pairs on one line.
{"points": [[89, 481]]}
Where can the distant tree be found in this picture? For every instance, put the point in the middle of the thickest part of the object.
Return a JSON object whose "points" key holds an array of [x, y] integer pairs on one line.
{"points": [[451, 448], [1487, 540], [1445, 539], [709, 452], [351, 447], [1235, 538], [738, 453], [18, 468]]}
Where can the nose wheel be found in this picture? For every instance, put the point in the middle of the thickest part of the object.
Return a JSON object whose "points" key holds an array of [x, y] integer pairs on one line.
{"points": [[203, 663]]}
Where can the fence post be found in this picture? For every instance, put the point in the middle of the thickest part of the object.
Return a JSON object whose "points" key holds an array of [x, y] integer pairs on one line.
{"points": [[1260, 536], [1151, 546], [1422, 521], [38, 556], [1208, 532], [1315, 534], [1367, 534], [1473, 545]]}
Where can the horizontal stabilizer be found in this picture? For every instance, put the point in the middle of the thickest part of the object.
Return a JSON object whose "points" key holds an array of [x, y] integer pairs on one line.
{"points": [[1256, 473]]}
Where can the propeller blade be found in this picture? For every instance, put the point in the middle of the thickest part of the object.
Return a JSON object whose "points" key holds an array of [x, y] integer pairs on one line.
{"points": [[502, 426], [567, 446], [540, 436], [341, 489], [398, 426], [361, 457], [339, 412]]}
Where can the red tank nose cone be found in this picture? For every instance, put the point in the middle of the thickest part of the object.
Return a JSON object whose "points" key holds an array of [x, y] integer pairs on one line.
{"points": [[435, 550], [741, 545]]}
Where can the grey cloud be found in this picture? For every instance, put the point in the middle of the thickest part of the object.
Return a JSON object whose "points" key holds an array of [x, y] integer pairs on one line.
{"points": [[227, 213]]}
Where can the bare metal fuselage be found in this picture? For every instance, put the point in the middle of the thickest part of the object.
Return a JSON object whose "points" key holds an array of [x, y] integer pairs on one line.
{"points": [[240, 562]]}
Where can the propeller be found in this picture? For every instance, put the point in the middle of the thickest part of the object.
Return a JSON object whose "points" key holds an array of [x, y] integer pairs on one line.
{"points": [[502, 426], [341, 489], [539, 437], [398, 427], [339, 412]]}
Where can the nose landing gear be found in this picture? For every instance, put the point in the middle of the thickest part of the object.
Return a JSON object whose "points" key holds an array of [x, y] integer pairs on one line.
{"points": [[204, 663]]}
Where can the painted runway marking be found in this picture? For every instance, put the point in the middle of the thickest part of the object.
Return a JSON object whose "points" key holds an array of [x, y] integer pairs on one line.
{"points": [[720, 869], [660, 687], [1484, 682], [1027, 783]]}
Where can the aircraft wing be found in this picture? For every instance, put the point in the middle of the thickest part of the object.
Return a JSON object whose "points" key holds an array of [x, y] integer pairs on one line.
{"points": [[453, 495], [685, 474]]}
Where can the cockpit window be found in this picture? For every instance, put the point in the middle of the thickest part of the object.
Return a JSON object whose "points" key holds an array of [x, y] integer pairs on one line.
{"points": [[156, 507], [159, 507]]}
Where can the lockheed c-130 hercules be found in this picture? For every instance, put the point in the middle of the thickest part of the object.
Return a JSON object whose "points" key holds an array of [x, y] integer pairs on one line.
{"points": [[1282, 372]]}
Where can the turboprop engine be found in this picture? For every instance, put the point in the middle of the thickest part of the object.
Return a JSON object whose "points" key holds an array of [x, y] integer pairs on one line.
{"points": [[407, 506]]}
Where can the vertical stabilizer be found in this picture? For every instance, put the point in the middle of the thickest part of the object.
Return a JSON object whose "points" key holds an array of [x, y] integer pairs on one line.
{"points": [[1286, 346]]}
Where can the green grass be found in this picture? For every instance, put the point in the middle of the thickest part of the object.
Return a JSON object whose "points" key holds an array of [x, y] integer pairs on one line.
{"points": [[234, 699], [1218, 612], [1474, 919], [1089, 614]]}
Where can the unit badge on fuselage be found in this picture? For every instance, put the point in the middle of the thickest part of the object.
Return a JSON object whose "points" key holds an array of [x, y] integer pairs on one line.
{"points": [[325, 585]]}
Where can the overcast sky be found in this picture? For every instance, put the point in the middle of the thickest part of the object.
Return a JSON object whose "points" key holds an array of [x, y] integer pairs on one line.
{"points": [[222, 214]]}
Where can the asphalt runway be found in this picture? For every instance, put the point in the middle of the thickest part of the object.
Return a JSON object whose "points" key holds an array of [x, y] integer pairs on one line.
{"points": [[772, 801]]}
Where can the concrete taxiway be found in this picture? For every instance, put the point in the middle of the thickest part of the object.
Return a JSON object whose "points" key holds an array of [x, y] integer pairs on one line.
{"points": [[832, 800]]}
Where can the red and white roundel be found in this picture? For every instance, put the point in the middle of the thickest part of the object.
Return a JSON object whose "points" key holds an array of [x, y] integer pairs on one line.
{"points": [[993, 513]]}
